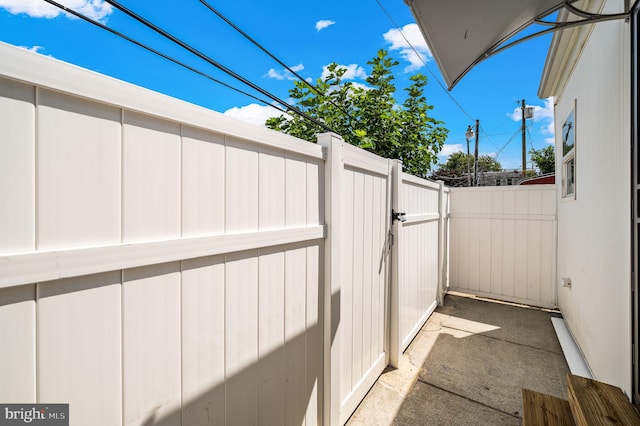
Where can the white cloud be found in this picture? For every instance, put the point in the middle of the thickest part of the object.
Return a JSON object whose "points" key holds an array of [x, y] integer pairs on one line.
{"points": [[411, 32], [324, 23], [360, 86], [34, 49], [94, 9], [253, 113], [448, 149], [284, 74], [276, 75], [353, 72]]}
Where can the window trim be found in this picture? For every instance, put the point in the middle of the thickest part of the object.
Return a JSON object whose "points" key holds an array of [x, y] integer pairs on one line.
{"points": [[570, 155]]}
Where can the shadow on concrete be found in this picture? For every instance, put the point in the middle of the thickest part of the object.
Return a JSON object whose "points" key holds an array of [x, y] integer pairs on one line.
{"points": [[467, 367]]}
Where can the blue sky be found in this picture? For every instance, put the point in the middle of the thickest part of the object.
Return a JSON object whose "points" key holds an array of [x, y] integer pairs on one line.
{"points": [[306, 36]]}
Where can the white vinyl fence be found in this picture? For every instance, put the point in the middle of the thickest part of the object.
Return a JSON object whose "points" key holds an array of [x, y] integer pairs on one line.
{"points": [[161, 264], [503, 243]]}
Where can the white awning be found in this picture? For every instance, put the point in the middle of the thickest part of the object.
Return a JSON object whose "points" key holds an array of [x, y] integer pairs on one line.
{"points": [[462, 33]]}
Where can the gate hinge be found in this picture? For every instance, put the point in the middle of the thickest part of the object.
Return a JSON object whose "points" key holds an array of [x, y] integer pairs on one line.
{"points": [[325, 152], [325, 231], [391, 240]]}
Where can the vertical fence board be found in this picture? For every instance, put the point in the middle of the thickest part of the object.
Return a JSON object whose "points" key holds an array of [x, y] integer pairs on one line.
{"points": [[18, 344], [346, 293], [464, 250], [484, 255], [496, 256], [547, 262], [454, 258], [151, 344], [241, 338], [296, 199], [17, 159], [509, 258], [367, 225], [358, 276], [151, 179], [315, 194], [203, 182], [79, 346], [313, 371], [295, 335], [521, 252], [271, 335], [203, 359], [271, 179], [78, 171], [378, 234], [474, 253], [241, 186], [534, 257]]}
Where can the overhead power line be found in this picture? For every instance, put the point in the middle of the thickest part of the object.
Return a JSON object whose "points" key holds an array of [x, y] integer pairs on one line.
{"points": [[275, 58], [442, 86], [155, 51], [216, 64], [397, 27], [517, 132]]}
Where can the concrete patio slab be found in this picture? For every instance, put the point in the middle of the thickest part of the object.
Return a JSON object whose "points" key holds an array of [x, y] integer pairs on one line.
{"points": [[467, 366]]}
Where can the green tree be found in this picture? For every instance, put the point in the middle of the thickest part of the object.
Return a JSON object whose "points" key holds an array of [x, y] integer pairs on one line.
{"points": [[370, 117], [544, 159], [457, 163]]}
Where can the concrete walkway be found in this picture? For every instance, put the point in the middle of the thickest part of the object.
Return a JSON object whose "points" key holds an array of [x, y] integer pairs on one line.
{"points": [[467, 367]]}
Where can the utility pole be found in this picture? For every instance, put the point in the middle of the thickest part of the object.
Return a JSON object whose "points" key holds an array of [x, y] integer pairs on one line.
{"points": [[475, 161], [524, 143]]}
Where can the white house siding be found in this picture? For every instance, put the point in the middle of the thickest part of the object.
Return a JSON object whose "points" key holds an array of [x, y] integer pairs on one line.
{"points": [[593, 230]]}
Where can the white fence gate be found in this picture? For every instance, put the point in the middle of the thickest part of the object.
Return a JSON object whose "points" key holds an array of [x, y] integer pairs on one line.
{"points": [[420, 250], [358, 196]]}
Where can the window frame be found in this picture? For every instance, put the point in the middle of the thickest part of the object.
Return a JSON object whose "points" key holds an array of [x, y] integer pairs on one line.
{"points": [[568, 168]]}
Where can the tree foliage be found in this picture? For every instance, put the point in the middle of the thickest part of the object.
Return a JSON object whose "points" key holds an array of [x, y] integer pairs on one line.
{"points": [[457, 163], [544, 159], [370, 117]]}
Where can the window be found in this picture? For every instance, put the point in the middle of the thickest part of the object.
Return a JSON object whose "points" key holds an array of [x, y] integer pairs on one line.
{"points": [[498, 182], [509, 181], [568, 134]]}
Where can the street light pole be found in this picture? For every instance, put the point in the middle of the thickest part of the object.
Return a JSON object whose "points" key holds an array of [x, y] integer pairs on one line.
{"points": [[468, 135], [475, 157]]}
